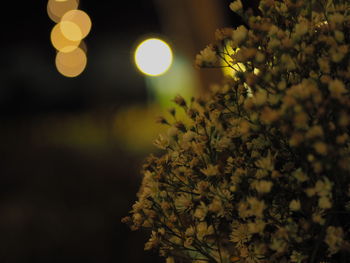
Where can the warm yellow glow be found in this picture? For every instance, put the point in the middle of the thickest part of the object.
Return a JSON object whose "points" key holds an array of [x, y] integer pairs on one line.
{"points": [[71, 64], [71, 31], [57, 8], [80, 19], [60, 42], [153, 57], [233, 68]]}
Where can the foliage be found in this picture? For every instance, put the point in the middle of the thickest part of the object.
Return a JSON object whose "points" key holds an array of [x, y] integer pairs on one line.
{"points": [[261, 174]]}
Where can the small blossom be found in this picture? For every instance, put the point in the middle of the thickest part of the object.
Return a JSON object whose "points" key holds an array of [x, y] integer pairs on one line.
{"points": [[173, 132], [240, 234], [239, 35], [236, 6], [207, 57], [334, 238], [263, 186], [204, 230], [179, 100], [297, 257], [201, 211], [324, 202], [211, 170], [337, 88], [161, 142], [294, 205]]}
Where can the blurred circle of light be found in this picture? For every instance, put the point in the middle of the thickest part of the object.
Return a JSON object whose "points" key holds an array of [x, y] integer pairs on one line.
{"points": [[71, 30], [71, 64], [57, 8], [60, 42], [79, 18], [153, 57]]}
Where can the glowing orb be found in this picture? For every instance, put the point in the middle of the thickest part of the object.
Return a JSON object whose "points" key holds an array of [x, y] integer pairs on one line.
{"points": [[60, 42], [71, 64], [71, 31], [81, 20], [153, 57], [56, 9]]}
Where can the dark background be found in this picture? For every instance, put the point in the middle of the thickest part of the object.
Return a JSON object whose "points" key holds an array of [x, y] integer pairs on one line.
{"points": [[65, 182]]}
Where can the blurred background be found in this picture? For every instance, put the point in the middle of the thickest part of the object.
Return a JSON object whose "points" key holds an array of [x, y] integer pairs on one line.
{"points": [[72, 147]]}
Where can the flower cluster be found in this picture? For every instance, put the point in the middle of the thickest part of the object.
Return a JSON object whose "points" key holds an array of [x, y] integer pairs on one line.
{"points": [[260, 171]]}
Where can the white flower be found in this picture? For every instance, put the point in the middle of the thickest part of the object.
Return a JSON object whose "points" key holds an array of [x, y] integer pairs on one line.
{"points": [[152, 242], [207, 57], [222, 143], [161, 142], [188, 136], [324, 202], [256, 227], [301, 29], [317, 218], [334, 238], [201, 211], [297, 257], [337, 88], [216, 206], [204, 230], [257, 207], [294, 205], [236, 6], [266, 163], [190, 231], [240, 234], [300, 176], [211, 170], [288, 62], [323, 187], [263, 186], [183, 202], [239, 35], [274, 43]]}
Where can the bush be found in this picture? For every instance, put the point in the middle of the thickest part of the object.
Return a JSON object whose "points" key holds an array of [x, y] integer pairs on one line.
{"points": [[261, 173]]}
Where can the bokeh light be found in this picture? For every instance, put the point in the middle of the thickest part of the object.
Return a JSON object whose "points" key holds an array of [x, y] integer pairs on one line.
{"points": [[57, 8], [71, 31], [80, 19], [60, 42], [153, 57], [67, 36], [232, 69], [71, 64]]}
